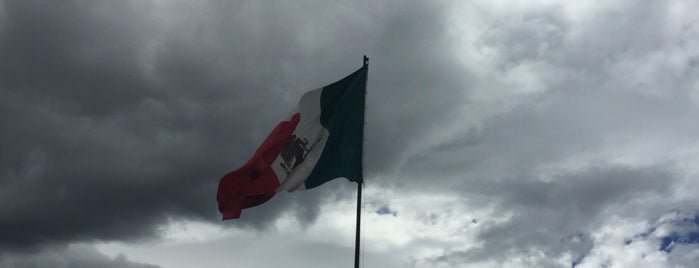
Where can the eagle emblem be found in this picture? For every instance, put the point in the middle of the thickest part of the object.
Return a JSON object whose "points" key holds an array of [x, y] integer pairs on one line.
{"points": [[294, 152]]}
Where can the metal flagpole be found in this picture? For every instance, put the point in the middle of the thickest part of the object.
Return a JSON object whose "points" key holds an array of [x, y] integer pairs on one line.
{"points": [[359, 184], [356, 240]]}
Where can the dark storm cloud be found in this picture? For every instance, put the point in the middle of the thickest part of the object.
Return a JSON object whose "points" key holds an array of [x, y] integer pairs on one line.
{"points": [[90, 149], [119, 116], [47, 50]]}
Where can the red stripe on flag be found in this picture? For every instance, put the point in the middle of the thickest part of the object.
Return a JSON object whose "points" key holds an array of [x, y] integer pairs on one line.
{"points": [[255, 182]]}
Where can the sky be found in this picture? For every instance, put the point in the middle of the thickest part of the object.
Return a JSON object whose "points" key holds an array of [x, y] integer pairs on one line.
{"points": [[499, 133]]}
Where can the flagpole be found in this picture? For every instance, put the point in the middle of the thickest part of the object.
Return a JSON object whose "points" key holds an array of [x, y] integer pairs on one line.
{"points": [[359, 209], [359, 184]]}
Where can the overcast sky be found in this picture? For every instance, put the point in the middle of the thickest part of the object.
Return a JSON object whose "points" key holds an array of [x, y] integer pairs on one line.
{"points": [[499, 133]]}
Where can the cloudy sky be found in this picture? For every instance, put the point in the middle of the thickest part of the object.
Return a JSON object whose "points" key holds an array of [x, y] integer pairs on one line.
{"points": [[499, 133]]}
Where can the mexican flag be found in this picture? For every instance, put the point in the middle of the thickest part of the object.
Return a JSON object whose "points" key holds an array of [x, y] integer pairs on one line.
{"points": [[320, 141]]}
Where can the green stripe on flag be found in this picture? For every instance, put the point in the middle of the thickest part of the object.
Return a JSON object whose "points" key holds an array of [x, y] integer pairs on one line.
{"points": [[342, 114]]}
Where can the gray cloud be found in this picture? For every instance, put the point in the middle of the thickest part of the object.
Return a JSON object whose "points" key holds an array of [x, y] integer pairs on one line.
{"points": [[119, 117], [74, 256], [558, 216]]}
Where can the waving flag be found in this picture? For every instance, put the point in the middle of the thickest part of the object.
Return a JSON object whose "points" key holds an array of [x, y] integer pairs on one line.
{"points": [[320, 141]]}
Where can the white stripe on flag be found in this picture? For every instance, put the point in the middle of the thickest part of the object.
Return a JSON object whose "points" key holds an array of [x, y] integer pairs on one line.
{"points": [[311, 135]]}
